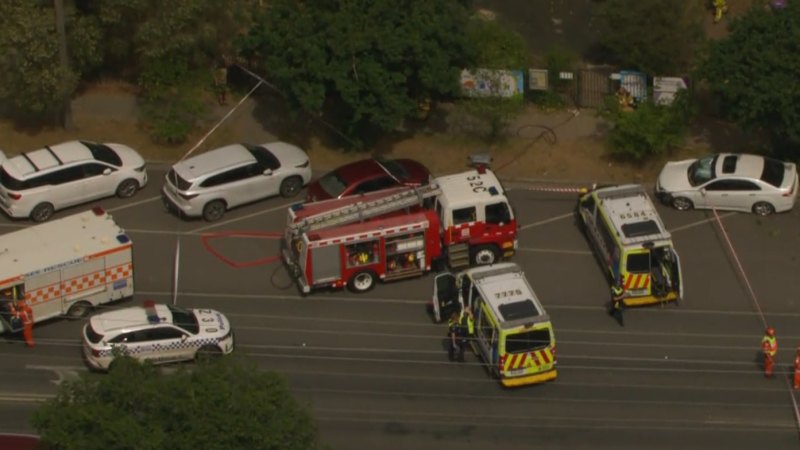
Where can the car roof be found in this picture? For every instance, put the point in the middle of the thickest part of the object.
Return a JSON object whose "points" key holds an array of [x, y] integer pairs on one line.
{"points": [[743, 165], [46, 158], [213, 161], [364, 169], [127, 319]]}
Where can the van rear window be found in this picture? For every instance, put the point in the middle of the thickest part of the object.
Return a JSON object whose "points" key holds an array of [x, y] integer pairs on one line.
{"points": [[178, 181], [638, 262], [11, 183], [528, 341]]}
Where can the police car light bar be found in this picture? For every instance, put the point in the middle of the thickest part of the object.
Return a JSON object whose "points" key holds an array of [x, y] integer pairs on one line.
{"points": [[150, 311]]}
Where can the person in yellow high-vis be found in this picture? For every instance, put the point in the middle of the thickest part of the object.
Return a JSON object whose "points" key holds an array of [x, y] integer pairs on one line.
{"points": [[720, 8], [769, 345]]}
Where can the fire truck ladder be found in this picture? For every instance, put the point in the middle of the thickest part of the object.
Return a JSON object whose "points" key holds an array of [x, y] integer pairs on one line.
{"points": [[362, 210]]}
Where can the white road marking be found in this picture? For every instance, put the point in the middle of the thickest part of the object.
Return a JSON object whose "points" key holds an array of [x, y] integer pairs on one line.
{"points": [[700, 222], [226, 222], [546, 221], [131, 205], [554, 250]]}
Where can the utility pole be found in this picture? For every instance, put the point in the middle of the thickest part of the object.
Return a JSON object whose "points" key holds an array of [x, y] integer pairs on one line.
{"points": [[62, 54]]}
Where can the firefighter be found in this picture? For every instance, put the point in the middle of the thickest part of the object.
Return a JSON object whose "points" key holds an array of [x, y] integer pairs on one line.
{"points": [[720, 8], [769, 344], [454, 349], [617, 303], [26, 316], [797, 369]]}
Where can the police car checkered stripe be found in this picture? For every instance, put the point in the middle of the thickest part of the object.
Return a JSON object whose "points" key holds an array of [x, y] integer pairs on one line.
{"points": [[135, 348]]}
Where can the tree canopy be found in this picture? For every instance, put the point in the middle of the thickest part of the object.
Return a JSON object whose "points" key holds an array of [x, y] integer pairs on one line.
{"points": [[369, 63], [658, 37], [218, 405], [754, 73]]}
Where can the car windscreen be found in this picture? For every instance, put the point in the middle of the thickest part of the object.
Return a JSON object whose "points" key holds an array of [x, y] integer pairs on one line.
{"points": [[528, 341], [93, 336], [184, 319], [396, 170], [773, 172], [265, 158], [702, 170], [332, 184], [178, 181], [103, 153], [10, 182]]}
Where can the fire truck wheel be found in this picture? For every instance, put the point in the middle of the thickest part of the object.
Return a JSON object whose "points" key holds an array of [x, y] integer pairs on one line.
{"points": [[127, 188], [214, 210], [362, 282], [80, 309], [42, 212], [682, 203], [485, 255], [208, 352], [291, 187]]}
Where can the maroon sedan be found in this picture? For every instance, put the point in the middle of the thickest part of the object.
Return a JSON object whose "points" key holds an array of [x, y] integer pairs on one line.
{"points": [[368, 175]]}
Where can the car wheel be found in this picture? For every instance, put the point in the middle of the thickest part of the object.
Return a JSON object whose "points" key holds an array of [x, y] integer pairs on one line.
{"points": [[361, 282], [79, 310], [214, 210], [207, 353], [291, 187], [763, 209], [682, 204], [127, 188], [485, 255], [42, 212]]}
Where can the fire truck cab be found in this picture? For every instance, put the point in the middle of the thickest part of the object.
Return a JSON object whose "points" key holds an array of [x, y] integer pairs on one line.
{"points": [[478, 224], [398, 233]]}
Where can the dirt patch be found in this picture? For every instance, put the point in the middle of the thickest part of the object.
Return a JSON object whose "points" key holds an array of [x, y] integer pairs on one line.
{"points": [[561, 145]]}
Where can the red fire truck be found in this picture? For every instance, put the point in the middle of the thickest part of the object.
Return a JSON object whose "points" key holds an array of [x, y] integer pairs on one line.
{"points": [[459, 219]]}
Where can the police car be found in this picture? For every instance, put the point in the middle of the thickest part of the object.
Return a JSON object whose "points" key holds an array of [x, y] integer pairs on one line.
{"points": [[156, 333]]}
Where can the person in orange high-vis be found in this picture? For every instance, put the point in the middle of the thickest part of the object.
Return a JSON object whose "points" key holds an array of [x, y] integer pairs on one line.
{"points": [[769, 344], [797, 369], [26, 314]]}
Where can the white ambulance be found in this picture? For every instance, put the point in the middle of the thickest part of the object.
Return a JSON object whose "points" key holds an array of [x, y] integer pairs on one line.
{"points": [[64, 267]]}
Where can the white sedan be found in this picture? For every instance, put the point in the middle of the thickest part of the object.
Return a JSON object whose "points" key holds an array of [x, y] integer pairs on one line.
{"points": [[729, 181], [157, 334]]}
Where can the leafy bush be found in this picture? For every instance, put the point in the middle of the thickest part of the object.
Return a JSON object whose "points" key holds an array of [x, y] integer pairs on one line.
{"points": [[172, 99], [650, 129]]}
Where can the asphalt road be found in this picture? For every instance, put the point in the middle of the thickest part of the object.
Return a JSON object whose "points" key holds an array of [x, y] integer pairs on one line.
{"points": [[374, 366]]}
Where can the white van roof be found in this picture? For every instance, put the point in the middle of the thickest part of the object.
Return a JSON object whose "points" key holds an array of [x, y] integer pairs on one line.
{"points": [[632, 214], [59, 243], [507, 292]]}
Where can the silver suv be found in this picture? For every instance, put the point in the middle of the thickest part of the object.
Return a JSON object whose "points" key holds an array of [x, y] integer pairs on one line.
{"points": [[209, 184]]}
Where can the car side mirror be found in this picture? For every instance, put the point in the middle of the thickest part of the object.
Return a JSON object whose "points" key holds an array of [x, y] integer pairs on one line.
{"points": [[184, 337], [267, 172], [703, 191], [107, 171]]}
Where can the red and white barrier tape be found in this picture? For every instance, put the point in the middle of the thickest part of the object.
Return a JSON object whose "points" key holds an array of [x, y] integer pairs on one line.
{"points": [[757, 305]]}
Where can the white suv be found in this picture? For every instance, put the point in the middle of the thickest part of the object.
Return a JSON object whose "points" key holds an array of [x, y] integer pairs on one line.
{"points": [[155, 333], [207, 185], [35, 184]]}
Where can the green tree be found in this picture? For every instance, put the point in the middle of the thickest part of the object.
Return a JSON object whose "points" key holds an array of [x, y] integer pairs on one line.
{"points": [[219, 405], [33, 84], [753, 72], [657, 37], [649, 130], [368, 63]]}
